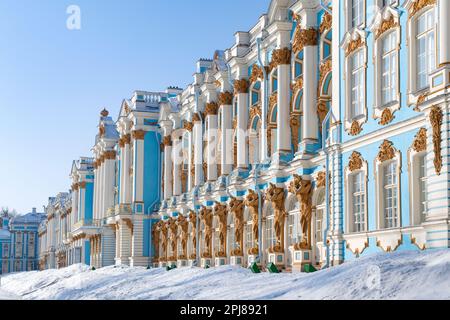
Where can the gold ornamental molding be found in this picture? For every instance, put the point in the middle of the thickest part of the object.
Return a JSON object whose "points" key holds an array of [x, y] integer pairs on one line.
{"points": [[101, 131], [255, 111], [436, 119], [211, 109], [196, 118], [420, 141], [321, 179], [139, 134], [257, 74], [206, 217], [297, 86], [124, 140], [324, 69], [419, 5], [355, 129], [303, 190], [110, 155], [273, 100], [225, 98], [356, 161], [82, 185], [387, 151], [322, 111], [386, 117], [326, 23], [252, 203], [277, 196], [385, 26], [173, 228], [188, 126], [281, 57], [75, 186], [353, 46], [193, 221], [167, 141], [304, 38], [241, 86], [294, 123]]}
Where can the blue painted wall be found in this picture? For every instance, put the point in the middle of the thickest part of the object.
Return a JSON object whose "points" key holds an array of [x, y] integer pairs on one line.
{"points": [[89, 201]]}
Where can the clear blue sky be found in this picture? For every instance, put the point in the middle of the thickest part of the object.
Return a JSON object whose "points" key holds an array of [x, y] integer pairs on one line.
{"points": [[54, 82]]}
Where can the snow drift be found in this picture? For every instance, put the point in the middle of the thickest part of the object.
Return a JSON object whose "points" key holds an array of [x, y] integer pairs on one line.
{"points": [[401, 275]]}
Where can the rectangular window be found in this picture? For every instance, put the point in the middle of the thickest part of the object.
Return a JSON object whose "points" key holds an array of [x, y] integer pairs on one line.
{"points": [[270, 239], [357, 80], [359, 202], [423, 186], [248, 236], [357, 13], [390, 186], [319, 231], [389, 68], [5, 251], [426, 50]]}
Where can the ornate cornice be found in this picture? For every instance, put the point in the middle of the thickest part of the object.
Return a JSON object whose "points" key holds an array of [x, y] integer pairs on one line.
{"points": [[420, 141], [211, 109], [225, 98], [436, 119], [139, 134], [241, 86], [82, 185], [355, 162], [385, 26], [419, 5], [387, 151], [304, 38]]}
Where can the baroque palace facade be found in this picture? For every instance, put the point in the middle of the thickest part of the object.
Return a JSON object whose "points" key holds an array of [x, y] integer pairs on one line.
{"points": [[305, 143]]}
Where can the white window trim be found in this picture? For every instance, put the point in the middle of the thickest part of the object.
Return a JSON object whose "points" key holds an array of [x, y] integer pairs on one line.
{"points": [[379, 178], [379, 107], [348, 15], [349, 198], [413, 92], [414, 188], [348, 119]]}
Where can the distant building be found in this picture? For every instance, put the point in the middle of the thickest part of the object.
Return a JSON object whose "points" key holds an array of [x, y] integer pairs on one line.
{"points": [[19, 242]]}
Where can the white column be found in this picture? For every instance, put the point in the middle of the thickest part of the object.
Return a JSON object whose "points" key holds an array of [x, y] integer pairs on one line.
{"points": [[109, 187], [191, 179], [168, 167], [138, 192], [283, 103], [198, 151], [82, 205], [126, 183], [241, 87], [226, 151], [212, 137], [176, 167], [310, 123], [264, 110], [444, 31]]}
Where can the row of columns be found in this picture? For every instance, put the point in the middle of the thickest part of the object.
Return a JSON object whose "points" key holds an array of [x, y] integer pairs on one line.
{"points": [[104, 190]]}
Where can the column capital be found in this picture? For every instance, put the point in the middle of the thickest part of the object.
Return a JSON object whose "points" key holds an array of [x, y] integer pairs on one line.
{"points": [[139, 134], [110, 155], [188, 126], [225, 98], [241, 86], [211, 109], [167, 141], [82, 185]]}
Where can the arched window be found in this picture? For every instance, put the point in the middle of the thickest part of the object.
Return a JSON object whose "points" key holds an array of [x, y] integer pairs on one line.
{"points": [[256, 93], [326, 46], [254, 139], [274, 81], [298, 65], [426, 47]]}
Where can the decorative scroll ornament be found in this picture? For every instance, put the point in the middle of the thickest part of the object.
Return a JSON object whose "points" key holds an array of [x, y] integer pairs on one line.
{"points": [[303, 190], [297, 86], [304, 38], [206, 217], [295, 126], [236, 207], [221, 212], [281, 57], [173, 227], [139, 134], [188, 126], [273, 100], [257, 74], [167, 141], [193, 222], [225, 98], [276, 196], [211, 109], [255, 111], [355, 129], [385, 26], [387, 151], [183, 224], [420, 141], [436, 119], [353, 46], [322, 111], [419, 5], [356, 161], [386, 117], [326, 24], [241, 86], [252, 202]]}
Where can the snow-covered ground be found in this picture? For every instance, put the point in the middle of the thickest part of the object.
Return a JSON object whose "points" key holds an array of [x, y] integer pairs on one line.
{"points": [[401, 275]]}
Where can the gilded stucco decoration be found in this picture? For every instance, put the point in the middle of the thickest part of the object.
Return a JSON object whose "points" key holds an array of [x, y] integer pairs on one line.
{"points": [[276, 197], [252, 203]]}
